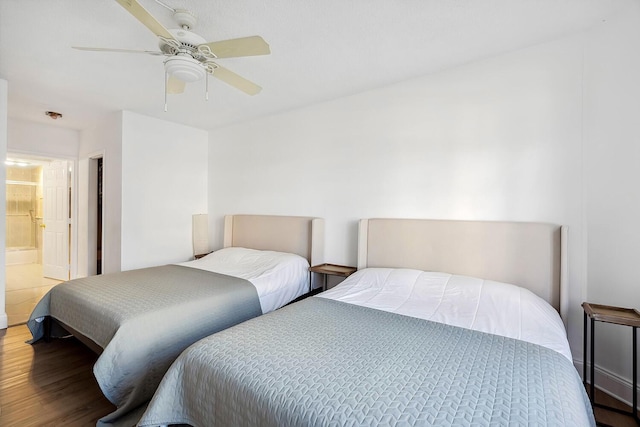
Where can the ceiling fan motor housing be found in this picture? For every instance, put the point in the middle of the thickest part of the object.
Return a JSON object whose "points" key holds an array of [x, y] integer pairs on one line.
{"points": [[185, 68], [185, 64], [188, 37]]}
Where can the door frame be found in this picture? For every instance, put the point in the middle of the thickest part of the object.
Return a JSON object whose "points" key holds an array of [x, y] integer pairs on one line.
{"points": [[73, 179], [92, 211]]}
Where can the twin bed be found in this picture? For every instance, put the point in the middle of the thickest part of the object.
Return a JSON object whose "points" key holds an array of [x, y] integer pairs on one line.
{"points": [[139, 321], [398, 342], [415, 337]]}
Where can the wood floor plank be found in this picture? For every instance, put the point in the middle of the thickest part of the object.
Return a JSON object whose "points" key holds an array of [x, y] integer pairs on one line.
{"points": [[48, 384]]}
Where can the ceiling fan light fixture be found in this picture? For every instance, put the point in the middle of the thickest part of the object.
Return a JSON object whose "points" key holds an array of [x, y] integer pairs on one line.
{"points": [[184, 68]]}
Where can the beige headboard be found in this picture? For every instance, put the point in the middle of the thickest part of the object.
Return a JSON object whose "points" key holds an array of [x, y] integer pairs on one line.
{"points": [[294, 234], [531, 255]]}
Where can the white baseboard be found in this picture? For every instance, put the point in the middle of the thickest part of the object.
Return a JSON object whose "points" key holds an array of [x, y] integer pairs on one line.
{"points": [[610, 383], [4, 321]]}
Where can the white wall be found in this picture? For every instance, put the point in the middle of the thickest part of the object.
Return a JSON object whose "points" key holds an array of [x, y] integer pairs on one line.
{"points": [[494, 140], [612, 165], [549, 133], [154, 180], [48, 142], [42, 140], [164, 182], [4, 91], [36, 139], [105, 139]]}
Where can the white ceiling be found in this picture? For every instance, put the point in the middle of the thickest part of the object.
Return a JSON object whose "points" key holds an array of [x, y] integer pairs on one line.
{"points": [[321, 50]]}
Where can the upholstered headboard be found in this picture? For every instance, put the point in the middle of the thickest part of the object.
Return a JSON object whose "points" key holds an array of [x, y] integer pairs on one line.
{"points": [[531, 255], [294, 234]]}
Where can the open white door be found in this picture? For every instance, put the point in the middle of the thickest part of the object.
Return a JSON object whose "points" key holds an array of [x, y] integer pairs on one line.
{"points": [[55, 234]]}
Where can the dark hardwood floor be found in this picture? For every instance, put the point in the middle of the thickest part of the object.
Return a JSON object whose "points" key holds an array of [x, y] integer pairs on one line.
{"points": [[605, 417], [47, 384], [52, 384]]}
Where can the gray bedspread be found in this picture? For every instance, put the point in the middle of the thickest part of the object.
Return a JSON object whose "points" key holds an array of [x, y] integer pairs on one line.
{"points": [[143, 319], [321, 362]]}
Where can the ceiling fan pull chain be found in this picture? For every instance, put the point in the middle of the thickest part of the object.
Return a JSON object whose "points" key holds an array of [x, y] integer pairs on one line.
{"points": [[206, 87], [166, 77]]}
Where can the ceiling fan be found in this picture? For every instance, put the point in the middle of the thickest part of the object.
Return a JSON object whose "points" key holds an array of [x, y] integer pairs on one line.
{"points": [[189, 56]]}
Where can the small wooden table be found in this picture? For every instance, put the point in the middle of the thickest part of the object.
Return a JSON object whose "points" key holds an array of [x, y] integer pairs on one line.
{"points": [[619, 316], [333, 270]]}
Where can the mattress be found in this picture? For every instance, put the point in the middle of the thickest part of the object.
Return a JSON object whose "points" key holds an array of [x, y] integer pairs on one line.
{"points": [[469, 302], [279, 277]]}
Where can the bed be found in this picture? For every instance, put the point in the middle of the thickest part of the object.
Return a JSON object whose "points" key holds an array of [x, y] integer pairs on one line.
{"points": [[429, 331], [139, 321]]}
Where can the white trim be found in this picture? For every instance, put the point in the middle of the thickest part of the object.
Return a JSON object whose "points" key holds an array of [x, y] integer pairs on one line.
{"points": [[610, 383], [73, 222], [92, 199], [4, 90]]}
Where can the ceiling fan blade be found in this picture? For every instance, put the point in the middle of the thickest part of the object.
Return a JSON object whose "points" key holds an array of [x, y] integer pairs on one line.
{"points": [[103, 49], [141, 14], [244, 46], [175, 85], [233, 79]]}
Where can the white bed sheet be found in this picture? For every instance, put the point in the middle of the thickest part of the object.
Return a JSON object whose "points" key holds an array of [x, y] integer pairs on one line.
{"points": [[467, 302], [279, 277]]}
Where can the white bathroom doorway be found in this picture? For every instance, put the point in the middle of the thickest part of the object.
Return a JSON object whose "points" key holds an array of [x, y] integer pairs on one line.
{"points": [[38, 229]]}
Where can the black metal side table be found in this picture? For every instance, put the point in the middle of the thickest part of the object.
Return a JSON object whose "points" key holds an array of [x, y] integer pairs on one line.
{"points": [[619, 316]]}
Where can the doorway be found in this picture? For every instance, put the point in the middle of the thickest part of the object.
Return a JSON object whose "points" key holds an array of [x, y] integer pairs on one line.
{"points": [[94, 215], [98, 229], [38, 195]]}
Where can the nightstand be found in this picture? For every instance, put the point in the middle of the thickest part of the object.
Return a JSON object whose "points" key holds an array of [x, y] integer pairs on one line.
{"points": [[619, 316], [332, 270]]}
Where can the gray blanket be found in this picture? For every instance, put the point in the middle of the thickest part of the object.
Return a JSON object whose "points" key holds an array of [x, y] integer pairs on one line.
{"points": [[143, 319], [321, 362]]}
